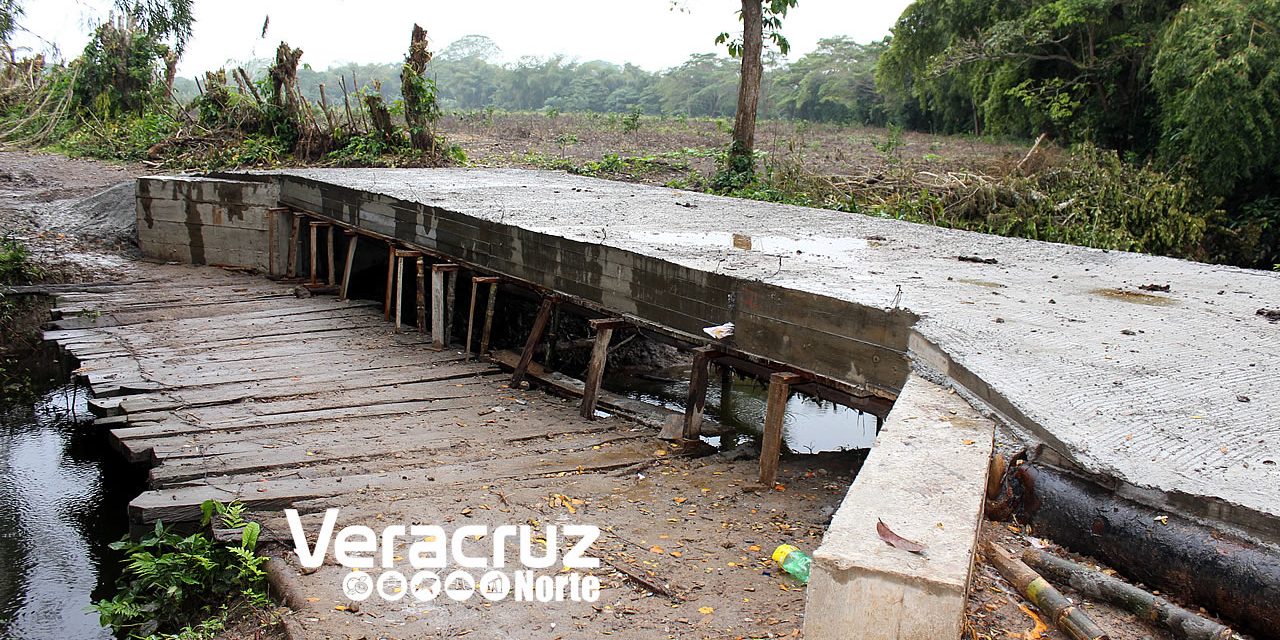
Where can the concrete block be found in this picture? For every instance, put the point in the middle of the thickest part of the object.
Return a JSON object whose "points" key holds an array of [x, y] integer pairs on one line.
{"points": [[925, 479]]}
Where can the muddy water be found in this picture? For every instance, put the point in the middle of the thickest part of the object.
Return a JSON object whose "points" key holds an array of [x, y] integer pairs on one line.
{"points": [[809, 427], [57, 514]]}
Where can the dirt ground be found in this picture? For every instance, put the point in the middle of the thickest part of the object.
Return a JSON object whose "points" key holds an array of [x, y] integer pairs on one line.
{"points": [[692, 526]]}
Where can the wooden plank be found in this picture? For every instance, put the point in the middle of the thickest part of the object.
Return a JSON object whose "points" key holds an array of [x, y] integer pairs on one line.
{"points": [[422, 294], [697, 400], [535, 335], [774, 414], [595, 368]]}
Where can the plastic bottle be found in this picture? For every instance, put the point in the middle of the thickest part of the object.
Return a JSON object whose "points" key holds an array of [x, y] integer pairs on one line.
{"points": [[793, 561]]}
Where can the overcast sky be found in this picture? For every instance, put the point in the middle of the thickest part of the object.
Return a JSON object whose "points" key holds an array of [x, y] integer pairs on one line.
{"points": [[644, 32]]}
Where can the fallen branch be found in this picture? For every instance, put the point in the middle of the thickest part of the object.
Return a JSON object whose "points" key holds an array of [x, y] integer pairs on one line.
{"points": [[644, 581], [1065, 615], [1099, 586]]}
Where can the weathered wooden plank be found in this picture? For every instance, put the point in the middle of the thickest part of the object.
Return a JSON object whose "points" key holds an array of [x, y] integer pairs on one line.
{"points": [[775, 413]]}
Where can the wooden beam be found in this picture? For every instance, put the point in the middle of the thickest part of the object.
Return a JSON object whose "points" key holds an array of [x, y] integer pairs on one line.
{"points": [[535, 335], [441, 309], [595, 370], [702, 357], [352, 239], [774, 413]]}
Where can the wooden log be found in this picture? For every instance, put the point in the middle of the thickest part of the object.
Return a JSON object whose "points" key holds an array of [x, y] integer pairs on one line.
{"points": [[443, 277], [697, 400], [1183, 624], [422, 295], [352, 241], [774, 414], [490, 305], [530, 345], [391, 278], [1064, 614], [595, 369], [1235, 578]]}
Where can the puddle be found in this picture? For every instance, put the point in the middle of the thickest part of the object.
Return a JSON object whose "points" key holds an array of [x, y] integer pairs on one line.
{"points": [[810, 426], [57, 515], [1135, 297], [774, 245]]}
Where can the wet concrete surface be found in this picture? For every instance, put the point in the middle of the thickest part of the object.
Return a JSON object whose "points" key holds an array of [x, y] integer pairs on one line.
{"points": [[1170, 396]]}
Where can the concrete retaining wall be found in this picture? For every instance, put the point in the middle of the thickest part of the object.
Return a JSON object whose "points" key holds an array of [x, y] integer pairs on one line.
{"points": [[924, 479], [196, 220]]}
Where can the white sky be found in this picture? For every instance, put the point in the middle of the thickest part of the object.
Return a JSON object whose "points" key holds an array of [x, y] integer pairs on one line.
{"points": [[644, 32]]}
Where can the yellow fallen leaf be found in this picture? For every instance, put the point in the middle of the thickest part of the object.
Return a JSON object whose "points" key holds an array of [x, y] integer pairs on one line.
{"points": [[313, 599], [754, 547], [1040, 628], [968, 442], [339, 607], [680, 500], [656, 549], [706, 610], [660, 452], [676, 554]]}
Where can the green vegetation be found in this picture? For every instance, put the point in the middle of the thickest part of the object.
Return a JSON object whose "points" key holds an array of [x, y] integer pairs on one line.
{"points": [[170, 580], [1190, 89]]}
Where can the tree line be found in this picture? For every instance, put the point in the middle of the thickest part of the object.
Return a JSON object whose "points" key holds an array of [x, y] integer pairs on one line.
{"points": [[834, 83]]}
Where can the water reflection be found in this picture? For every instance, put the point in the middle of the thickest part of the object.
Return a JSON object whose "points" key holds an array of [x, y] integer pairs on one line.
{"points": [[56, 518], [810, 426]]}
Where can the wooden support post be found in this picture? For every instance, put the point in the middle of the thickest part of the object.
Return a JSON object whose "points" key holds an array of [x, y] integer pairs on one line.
{"points": [[391, 280], [476, 281], [726, 392], [702, 357], [595, 370], [315, 250], [535, 335], [399, 285], [295, 229], [490, 304], [450, 300], [441, 305], [774, 413], [352, 239], [422, 295], [332, 270]]}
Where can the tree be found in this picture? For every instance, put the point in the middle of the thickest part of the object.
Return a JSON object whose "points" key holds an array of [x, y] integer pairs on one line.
{"points": [[10, 11], [760, 18], [835, 83]]}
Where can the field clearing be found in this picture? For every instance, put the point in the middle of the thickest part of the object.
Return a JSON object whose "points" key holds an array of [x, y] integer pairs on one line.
{"points": [[677, 145]]}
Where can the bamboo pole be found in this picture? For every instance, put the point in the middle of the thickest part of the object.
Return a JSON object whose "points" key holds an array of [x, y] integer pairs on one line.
{"points": [[1184, 624], [1064, 614]]}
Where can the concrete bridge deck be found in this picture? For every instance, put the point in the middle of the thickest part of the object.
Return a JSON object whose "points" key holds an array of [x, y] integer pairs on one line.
{"points": [[1168, 396]]}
